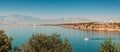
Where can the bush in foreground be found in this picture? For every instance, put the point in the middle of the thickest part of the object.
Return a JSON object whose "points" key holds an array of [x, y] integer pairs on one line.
{"points": [[5, 42], [45, 43], [109, 46]]}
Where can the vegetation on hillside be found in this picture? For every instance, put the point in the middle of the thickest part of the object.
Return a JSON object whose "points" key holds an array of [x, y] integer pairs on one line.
{"points": [[76, 24], [118, 24]]}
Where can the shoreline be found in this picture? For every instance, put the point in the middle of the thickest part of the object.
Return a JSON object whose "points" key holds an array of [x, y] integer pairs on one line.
{"points": [[94, 27]]}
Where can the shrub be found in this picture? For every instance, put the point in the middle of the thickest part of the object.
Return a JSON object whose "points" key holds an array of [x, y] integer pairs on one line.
{"points": [[45, 43], [5, 42], [109, 46]]}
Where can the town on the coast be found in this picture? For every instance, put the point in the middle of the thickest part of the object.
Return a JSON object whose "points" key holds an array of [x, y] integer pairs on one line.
{"points": [[93, 26]]}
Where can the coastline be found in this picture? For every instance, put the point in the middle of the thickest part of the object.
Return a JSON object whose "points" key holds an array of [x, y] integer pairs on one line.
{"points": [[80, 26], [93, 26]]}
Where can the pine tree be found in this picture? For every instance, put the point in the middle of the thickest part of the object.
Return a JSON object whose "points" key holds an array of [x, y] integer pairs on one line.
{"points": [[109, 46], [5, 42], [45, 43]]}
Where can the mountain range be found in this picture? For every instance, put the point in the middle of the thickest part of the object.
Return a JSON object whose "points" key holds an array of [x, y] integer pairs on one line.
{"points": [[20, 19]]}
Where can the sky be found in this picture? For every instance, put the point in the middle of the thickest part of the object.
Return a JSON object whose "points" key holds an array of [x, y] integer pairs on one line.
{"points": [[60, 8]]}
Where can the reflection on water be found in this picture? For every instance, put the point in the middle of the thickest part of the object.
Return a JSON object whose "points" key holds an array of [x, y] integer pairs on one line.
{"points": [[102, 34], [103, 38]]}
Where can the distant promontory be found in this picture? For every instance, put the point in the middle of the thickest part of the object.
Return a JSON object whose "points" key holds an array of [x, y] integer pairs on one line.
{"points": [[93, 26]]}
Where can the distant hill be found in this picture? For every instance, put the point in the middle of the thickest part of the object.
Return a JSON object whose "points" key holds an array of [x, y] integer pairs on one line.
{"points": [[76, 19], [19, 19]]}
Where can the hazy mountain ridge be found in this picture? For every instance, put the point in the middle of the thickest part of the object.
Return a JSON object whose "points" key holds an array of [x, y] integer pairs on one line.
{"points": [[19, 19]]}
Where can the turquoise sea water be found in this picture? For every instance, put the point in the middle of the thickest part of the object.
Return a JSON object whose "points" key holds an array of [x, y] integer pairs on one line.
{"points": [[76, 37]]}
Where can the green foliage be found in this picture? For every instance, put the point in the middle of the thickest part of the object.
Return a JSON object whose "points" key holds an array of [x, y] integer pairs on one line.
{"points": [[16, 49], [5, 42], [109, 46], [118, 24], [45, 43]]}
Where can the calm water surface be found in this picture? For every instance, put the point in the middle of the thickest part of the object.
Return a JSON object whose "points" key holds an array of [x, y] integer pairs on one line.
{"points": [[21, 34]]}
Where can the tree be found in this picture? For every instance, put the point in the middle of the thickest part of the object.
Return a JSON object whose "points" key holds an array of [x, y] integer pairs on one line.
{"points": [[44, 43], [5, 42], [109, 46]]}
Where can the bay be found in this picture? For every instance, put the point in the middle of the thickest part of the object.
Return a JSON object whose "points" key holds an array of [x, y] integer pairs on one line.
{"points": [[81, 40]]}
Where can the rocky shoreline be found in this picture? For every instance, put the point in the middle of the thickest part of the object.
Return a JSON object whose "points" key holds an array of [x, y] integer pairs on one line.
{"points": [[92, 26]]}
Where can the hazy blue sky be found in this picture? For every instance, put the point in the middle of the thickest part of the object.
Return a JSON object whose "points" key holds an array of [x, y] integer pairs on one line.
{"points": [[60, 8]]}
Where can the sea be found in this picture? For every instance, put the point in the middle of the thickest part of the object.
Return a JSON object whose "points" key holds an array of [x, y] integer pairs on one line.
{"points": [[80, 40]]}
